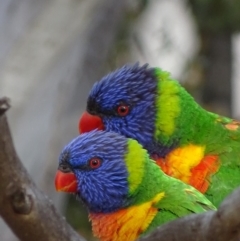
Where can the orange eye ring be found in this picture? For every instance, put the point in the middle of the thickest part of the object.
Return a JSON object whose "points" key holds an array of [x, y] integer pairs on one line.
{"points": [[123, 110]]}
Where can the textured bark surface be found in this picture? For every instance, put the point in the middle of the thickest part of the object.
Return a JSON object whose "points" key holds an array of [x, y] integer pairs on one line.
{"points": [[28, 211], [221, 225], [51, 52]]}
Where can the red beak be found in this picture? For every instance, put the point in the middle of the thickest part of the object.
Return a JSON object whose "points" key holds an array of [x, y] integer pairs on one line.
{"points": [[66, 182], [89, 122]]}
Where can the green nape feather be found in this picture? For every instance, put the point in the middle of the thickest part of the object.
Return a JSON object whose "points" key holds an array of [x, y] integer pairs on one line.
{"points": [[182, 122], [178, 115], [146, 180]]}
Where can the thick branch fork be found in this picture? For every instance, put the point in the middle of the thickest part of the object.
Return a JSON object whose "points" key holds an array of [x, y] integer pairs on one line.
{"points": [[29, 213]]}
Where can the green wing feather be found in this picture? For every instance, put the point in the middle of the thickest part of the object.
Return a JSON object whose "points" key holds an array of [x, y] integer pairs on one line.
{"points": [[185, 122], [179, 199]]}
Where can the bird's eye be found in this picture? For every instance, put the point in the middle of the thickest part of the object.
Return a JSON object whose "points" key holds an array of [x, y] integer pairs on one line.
{"points": [[64, 168], [123, 110], [95, 162]]}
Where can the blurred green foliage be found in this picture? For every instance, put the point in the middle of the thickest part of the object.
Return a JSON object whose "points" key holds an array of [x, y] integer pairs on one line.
{"points": [[217, 15], [77, 217]]}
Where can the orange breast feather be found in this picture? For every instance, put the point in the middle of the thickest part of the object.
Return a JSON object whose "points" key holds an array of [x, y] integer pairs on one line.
{"points": [[125, 224], [190, 166]]}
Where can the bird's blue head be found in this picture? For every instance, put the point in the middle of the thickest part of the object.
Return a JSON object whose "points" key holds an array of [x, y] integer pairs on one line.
{"points": [[124, 102], [95, 161]]}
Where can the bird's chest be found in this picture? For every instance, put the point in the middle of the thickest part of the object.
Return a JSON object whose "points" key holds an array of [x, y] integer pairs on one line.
{"points": [[190, 165], [126, 224]]}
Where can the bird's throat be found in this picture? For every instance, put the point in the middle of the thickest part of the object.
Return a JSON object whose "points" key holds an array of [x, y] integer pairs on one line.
{"points": [[126, 224]]}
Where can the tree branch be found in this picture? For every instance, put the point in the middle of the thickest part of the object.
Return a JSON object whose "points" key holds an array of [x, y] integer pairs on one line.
{"points": [[220, 225], [29, 212]]}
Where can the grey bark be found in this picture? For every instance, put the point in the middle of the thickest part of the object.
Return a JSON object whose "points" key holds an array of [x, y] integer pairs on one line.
{"points": [[50, 53], [28, 211], [221, 225]]}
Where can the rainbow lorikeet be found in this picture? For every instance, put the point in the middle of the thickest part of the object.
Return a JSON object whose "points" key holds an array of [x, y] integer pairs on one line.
{"points": [[126, 193], [189, 143]]}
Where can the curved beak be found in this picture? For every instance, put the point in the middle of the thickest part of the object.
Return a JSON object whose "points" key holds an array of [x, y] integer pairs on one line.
{"points": [[66, 182], [89, 122]]}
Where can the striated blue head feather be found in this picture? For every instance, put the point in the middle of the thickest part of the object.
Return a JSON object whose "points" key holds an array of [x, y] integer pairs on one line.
{"points": [[102, 189], [136, 87]]}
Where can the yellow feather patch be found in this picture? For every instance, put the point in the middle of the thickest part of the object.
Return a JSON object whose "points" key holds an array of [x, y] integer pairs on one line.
{"points": [[135, 161], [126, 224], [182, 160], [167, 103]]}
